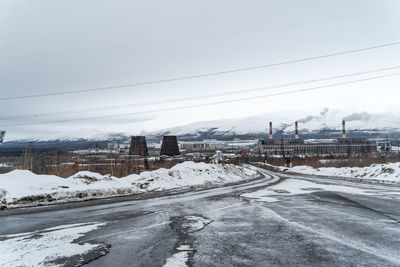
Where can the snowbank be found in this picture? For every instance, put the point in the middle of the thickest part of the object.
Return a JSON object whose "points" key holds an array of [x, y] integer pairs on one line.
{"points": [[191, 174], [380, 173], [23, 188]]}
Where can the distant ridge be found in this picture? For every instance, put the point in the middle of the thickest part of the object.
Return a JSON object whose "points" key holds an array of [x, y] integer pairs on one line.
{"points": [[324, 123]]}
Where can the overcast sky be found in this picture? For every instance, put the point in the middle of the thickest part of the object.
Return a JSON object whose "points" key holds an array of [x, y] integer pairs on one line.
{"points": [[51, 46]]}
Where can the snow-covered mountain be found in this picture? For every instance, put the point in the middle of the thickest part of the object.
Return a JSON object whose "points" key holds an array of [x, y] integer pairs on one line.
{"points": [[85, 134], [283, 122], [324, 123]]}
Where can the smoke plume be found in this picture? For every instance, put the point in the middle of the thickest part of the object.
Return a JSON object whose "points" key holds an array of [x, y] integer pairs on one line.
{"points": [[311, 117], [364, 116], [307, 119], [323, 112]]}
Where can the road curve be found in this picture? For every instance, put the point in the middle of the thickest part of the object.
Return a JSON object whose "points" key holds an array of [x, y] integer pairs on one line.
{"points": [[314, 228]]}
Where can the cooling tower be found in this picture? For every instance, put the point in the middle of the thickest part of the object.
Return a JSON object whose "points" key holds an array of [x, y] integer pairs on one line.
{"points": [[169, 146], [138, 146]]}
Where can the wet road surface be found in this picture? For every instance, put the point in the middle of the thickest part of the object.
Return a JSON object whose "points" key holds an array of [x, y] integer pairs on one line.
{"points": [[220, 227]]}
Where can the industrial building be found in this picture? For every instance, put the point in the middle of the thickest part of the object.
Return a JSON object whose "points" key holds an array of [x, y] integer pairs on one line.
{"points": [[198, 146], [296, 146], [211, 145]]}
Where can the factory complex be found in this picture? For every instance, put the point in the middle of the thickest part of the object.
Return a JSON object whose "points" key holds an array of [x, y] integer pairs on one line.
{"points": [[296, 146], [281, 147]]}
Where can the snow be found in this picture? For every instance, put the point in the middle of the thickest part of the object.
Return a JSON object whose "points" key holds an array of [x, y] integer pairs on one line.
{"points": [[299, 187], [184, 248], [309, 120], [194, 223], [192, 174], [381, 173], [20, 188], [42, 248], [5, 165], [83, 133], [23, 188], [190, 224], [177, 260]]}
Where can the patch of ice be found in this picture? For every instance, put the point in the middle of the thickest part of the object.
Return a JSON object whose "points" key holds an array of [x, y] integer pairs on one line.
{"points": [[184, 248], [298, 187], [194, 223], [179, 259], [43, 248]]}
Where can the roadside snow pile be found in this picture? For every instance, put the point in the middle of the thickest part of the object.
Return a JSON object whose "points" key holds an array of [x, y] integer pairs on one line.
{"points": [[382, 173], [20, 188], [24, 188], [192, 174]]}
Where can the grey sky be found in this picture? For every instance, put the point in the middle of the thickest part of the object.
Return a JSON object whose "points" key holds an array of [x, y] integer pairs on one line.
{"points": [[55, 46]]}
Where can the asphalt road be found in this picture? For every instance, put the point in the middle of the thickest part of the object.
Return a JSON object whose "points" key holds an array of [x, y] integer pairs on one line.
{"points": [[316, 228]]}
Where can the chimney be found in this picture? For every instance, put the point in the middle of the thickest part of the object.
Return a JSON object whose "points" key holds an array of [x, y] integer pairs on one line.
{"points": [[296, 130], [343, 129], [270, 130]]}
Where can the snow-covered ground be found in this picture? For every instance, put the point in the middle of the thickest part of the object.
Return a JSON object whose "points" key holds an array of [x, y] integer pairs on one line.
{"points": [[23, 188], [48, 247], [299, 187], [180, 258], [380, 173]]}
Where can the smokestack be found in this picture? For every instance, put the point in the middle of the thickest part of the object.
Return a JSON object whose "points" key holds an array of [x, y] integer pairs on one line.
{"points": [[270, 130], [296, 130], [2, 134], [343, 129]]}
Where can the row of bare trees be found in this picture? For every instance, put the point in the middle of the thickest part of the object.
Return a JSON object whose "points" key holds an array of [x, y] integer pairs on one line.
{"points": [[65, 164]]}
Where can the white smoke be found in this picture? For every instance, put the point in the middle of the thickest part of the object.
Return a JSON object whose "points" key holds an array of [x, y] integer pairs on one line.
{"points": [[311, 117], [307, 119], [323, 112], [363, 116]]}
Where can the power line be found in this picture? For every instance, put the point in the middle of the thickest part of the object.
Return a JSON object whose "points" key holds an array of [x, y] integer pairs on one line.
{"points": [[207, 104], [199, 75], [201, 37], [27, 116]]}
